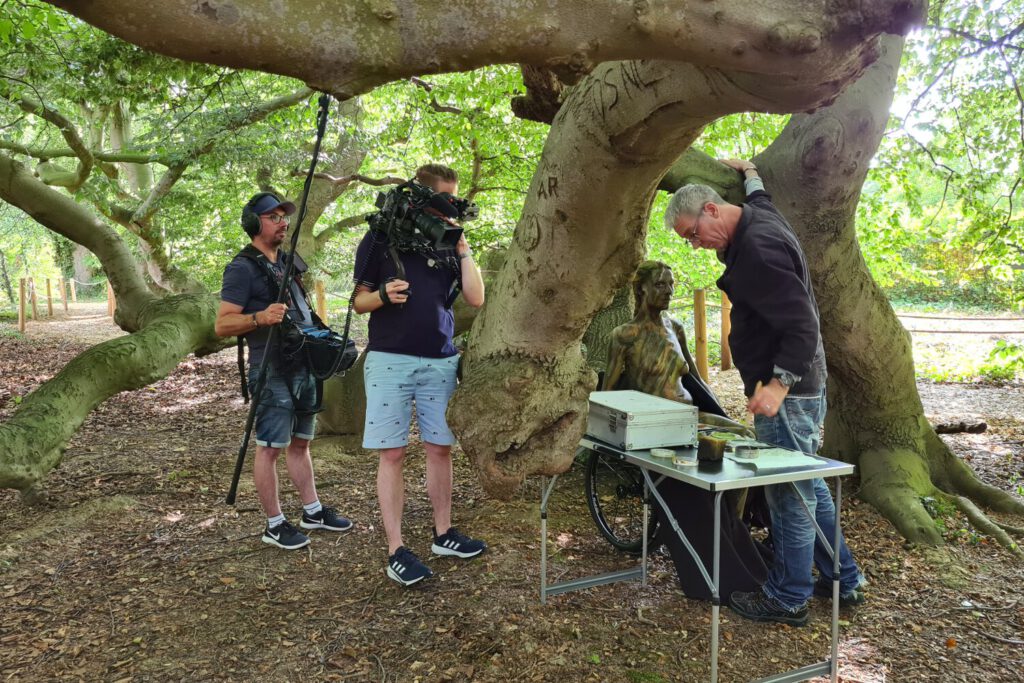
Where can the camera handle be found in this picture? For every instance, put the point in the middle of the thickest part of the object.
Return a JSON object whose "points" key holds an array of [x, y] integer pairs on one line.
{"points": [[286, 282]]}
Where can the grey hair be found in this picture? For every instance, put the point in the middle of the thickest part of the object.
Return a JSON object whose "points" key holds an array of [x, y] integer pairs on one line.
{"points": [[688, 200]]}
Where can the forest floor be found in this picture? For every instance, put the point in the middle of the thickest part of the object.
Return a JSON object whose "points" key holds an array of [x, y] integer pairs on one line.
{"points": [[135, 569]]}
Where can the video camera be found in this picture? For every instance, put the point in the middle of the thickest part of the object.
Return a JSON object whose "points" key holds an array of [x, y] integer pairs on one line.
{"points": [[405, 217]]}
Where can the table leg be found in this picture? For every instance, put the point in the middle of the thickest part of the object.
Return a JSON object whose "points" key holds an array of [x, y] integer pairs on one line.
{"points": [[835, 585], [544, 494], [716, 599], [643, 557]]}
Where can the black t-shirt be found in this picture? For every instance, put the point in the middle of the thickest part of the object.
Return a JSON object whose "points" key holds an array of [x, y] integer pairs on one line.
{"points": [[423, 325], [246, 285]]}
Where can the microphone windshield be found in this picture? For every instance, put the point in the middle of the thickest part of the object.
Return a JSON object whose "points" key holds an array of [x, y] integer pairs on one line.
{"points": [[440, 202]]}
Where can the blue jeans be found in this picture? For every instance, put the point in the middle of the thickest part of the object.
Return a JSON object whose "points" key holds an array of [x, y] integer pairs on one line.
{"points": [[286, 407], [798, 426]]}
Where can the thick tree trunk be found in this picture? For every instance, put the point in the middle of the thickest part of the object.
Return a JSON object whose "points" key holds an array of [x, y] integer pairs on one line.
{"points": [[522, 404], [815, 170], [598, 336], [6, 278]]}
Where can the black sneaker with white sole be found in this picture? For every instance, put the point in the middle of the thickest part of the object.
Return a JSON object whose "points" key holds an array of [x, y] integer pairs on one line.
{"points": [[285, 536], [757, 606], [456, 544], [327, 519], [405, 568]]}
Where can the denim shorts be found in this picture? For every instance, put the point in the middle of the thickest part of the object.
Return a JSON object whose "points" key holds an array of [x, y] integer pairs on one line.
{"points": [[283, 414], [394, 382]]}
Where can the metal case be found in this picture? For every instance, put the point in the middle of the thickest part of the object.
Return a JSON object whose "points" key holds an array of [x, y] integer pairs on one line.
{"points": [[633, 420]]}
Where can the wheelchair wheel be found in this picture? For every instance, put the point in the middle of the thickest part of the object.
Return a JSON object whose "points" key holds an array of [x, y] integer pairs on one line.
{"points": [[615, 496]]}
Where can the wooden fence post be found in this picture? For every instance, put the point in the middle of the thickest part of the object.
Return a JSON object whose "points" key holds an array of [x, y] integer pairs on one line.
{"points": [[49, 299], [700, 332], [321, 300], [63, 293], [74, 294], [111, 303], [32, 294], [726, 328], [21, 305]]}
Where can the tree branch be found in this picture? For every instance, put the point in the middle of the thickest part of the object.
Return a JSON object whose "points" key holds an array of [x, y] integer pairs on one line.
{"points": [[67, 129], [362, 45], [248, 117], [45, 154], [355, 177], [429, 87], [62, 214], [330, 232]]}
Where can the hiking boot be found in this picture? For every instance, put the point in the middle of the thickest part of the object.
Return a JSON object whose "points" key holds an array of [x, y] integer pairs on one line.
{"points": [[823, 589], [405, 568], [456, 544], [327, 519], [758, 606], [285, 536]]}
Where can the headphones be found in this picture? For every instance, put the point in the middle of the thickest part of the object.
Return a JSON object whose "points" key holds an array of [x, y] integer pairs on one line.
{"points": [[251, 219]]}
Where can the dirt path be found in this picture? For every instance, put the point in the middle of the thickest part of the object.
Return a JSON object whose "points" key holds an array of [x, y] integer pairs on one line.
{"points": [[136, 571]]}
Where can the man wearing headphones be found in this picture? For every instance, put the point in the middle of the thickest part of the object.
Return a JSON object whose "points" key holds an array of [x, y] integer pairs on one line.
{"points": [[286, 416]]}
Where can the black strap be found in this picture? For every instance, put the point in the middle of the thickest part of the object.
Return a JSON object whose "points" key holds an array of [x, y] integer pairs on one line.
{"points": [[241, 369]]}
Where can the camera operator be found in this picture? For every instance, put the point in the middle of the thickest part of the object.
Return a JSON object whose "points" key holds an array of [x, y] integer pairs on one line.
{"points": [[286, 416], [411, 358]]}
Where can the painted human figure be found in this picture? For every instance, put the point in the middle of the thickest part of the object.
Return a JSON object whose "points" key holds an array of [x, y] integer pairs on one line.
{"points": [[649, 353]]}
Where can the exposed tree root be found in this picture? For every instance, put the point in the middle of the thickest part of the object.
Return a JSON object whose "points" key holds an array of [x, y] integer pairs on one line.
{"points": [[980, 520]]}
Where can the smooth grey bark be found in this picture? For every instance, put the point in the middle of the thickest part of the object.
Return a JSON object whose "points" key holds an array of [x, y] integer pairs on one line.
{"points": [[349, 48]]}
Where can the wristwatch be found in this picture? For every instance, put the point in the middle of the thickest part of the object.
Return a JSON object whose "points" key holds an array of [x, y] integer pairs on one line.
{"points": [[786, 379], [255, 323]]}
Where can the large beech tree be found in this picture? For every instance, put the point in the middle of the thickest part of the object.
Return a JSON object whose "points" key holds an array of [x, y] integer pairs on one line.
{"points": [[617, 132]]}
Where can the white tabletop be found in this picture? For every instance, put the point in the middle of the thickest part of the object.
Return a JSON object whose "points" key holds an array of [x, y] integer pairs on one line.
{"points": [[723, 475]]}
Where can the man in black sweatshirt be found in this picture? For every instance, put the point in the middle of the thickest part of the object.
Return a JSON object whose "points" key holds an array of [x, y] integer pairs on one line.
{"points": [[776, 345]]}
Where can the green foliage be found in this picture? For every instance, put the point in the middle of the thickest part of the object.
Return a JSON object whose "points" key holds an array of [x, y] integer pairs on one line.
{"points": [[1005, 362]]}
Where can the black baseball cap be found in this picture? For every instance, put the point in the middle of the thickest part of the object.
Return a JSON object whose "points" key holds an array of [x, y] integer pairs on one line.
{"points": [[269, 202]]}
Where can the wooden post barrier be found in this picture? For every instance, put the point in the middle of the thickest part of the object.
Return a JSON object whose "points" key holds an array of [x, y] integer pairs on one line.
{"points": [[49, 299], [700, 332], [74, 294], [63, 293], [726, 328], [32, 294], [21, 305], [321, 300], [111, 300]]}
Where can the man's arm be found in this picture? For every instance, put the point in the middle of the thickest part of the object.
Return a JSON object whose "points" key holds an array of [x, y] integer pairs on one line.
{"points": [[231, 322], [751, 180], [369, 300], [472, 280]]}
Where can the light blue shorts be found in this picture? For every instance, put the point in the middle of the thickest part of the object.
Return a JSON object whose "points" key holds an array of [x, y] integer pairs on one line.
{"points": [[393, 382]]}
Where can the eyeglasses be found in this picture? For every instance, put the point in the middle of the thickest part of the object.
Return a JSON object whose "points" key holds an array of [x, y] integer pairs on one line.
{"points": [[691, 234], [277, 218]]}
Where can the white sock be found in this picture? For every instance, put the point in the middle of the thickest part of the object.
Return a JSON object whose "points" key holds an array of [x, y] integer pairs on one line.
{"points": [[274, 521], [313, 508]]}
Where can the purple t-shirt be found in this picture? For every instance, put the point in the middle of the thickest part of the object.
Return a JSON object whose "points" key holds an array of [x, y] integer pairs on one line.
{"points": [[423, 325]]}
